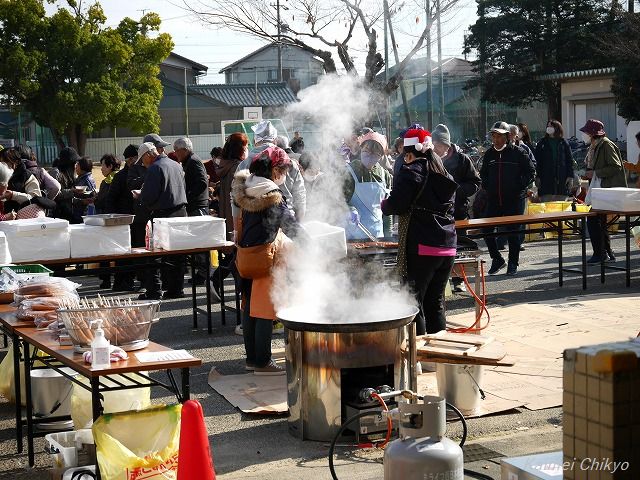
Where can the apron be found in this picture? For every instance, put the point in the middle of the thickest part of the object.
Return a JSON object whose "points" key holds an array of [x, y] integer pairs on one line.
{"points": [[366, 200]]}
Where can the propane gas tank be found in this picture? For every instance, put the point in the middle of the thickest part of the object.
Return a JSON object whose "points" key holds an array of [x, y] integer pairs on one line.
{"points": [[422, 452]]}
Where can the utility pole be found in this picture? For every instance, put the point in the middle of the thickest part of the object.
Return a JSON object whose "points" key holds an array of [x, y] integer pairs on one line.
{"points": [[429, 69], [186, 104], [279, 43], [407, 116], [387, 119], [631, 6], [438, 12], [483, 58]]}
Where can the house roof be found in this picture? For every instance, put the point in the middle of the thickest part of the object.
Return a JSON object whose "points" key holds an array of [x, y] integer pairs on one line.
{"points": [[593, 72], [261, 49], [418, 67], [248, 94], [194, 65]]}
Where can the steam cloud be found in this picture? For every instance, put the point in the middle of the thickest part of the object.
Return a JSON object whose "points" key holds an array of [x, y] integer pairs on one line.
{"points": [[325, 288]]}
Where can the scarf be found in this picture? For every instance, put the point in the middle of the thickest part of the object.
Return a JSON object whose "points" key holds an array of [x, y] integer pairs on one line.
{"points": [[109, 178]]}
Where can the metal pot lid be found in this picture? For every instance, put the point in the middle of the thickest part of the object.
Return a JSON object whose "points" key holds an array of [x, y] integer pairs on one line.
{"points": [[360, 316]]}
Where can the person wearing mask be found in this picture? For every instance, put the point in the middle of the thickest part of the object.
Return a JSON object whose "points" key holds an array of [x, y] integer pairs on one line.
{"points": [[315, 184], [525, 136], [197, 191], [423, 195], [211, 165], [464, 173], [233, 153], [366, 185], [49, 186], [264, 219], [554, 164], [162, 196], [604, 170], [283, 143], [264, 136], [506, 173], [64, 173], [120, 200], [635, 167]]}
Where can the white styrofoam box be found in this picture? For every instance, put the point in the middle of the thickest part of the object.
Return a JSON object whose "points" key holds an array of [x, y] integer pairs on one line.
{"points": [[181, 233], [5, 254], [617, 199], [92, 240], [35, 239], [329, 238]]}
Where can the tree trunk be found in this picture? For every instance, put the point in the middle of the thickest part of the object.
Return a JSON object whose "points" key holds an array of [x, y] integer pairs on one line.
{"points": [[57, 136], [327, 60], [553, 101], [77, 138]]}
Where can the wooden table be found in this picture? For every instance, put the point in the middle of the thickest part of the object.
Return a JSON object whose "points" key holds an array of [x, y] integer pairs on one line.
{"points": [[143, 254], [628, 224], [552, 222], [58, 357]]}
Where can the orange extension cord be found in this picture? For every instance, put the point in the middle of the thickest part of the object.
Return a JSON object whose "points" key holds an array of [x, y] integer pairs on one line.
{"points": [[475, 327]]}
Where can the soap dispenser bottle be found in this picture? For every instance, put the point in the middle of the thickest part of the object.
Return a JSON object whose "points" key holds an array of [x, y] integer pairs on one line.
{"points": [[100, 348]]}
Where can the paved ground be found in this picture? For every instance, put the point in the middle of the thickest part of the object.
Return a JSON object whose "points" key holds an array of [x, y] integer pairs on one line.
{"points": [[253, 447]]}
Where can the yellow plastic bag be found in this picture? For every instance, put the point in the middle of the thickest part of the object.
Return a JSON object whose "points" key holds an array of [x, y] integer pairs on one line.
{"points": [[7, 379], [115, 401], [214, 258], [139, 445], [533, 208]]}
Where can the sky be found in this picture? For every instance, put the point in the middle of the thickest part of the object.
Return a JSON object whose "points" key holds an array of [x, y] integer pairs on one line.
{"points": [[218, 48]]}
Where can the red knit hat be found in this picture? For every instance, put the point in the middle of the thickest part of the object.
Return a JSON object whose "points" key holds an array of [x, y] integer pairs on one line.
{"points": [[418, 138], [278, 157]]}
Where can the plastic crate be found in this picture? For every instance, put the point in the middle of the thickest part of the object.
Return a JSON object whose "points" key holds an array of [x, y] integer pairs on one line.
{"points": [[24, 272]]}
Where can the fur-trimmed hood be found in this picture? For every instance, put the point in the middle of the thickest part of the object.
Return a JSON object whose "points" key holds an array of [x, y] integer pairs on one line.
{"points": [[252, 204]]}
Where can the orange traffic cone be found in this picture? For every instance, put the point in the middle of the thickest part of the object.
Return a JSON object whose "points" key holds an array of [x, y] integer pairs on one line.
{"points": [[194, 459]]}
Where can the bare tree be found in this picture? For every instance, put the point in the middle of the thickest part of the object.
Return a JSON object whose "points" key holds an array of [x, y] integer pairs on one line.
{"points": [[320, 27]]}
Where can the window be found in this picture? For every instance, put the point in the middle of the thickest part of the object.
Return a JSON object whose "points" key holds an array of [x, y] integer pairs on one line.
{"points": [[272, 75]]}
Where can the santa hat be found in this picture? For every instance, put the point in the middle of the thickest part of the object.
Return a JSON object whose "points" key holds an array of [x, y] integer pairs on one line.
{"points": [[418, 138]]}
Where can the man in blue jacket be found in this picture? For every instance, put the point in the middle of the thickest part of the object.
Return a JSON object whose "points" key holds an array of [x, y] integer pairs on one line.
{"points": [[506, 173]]}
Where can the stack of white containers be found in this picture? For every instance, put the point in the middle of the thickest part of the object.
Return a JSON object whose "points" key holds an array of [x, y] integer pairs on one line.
{"points": [[181, 233], [617, 199]]}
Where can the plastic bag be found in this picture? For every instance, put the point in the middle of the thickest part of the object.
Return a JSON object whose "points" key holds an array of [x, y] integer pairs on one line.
{"points": [[115, 401], [46, 287], [136, 445], [7, 383]]}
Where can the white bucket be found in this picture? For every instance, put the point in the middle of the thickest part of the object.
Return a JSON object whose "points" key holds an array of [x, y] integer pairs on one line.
{"points": [[51, 396], [460, 385]]}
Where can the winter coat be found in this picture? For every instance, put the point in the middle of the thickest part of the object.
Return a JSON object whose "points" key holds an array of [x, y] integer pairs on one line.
{"points": [[163, 187], [135, 179], [24, 186], [292, 188], [119, 198], [196, 184], [262, 218], [607, 164], [464, 173], [64, 199], [506, 174], [100, 201], [431, 222], [225, 172], [79, 208], [552, 173], [49, 186]]}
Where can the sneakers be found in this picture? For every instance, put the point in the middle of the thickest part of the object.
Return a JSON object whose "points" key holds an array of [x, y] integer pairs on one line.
{"points": [[249, 367], [497, 265], [145, 296], [512, 270], [458, 285], [595, 260], [278, 328], [270, 370], [238, 330], [610, 257]]}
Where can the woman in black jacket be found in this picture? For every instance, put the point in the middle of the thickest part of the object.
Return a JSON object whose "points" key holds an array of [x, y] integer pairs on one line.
{"points": [[424, 196], [554, 163]]}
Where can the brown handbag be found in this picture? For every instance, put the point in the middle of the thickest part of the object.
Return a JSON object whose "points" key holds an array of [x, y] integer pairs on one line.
{"points": [[257, 261]]}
